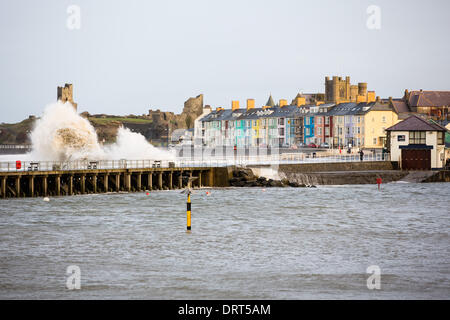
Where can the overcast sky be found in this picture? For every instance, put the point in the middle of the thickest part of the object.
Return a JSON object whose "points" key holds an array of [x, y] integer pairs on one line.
{"points": [[129, 56]]}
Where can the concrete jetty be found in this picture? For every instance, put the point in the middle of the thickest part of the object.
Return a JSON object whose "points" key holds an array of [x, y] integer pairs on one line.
{"points": [[72, 182]]}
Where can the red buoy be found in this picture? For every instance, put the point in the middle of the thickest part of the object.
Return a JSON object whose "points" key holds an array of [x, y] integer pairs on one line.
{"points": [[379, 182]]}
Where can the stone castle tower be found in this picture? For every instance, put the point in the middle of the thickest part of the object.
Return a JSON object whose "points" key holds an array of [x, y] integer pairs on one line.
{"points": [[338, 90], [66, 94]]}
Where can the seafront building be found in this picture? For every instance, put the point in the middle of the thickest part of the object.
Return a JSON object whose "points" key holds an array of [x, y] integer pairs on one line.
{"points": [[346, 124], [417, 144], [345, 115]]}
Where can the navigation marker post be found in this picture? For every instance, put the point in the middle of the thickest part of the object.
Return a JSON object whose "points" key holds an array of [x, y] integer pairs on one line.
{"points": [[189, 191]]}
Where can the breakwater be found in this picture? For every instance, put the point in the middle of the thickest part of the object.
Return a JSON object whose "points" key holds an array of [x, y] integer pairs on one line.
{"points": [[72, 182]]}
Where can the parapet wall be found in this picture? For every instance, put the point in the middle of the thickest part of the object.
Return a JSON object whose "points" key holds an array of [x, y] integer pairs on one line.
{"points": [[339, 166]]}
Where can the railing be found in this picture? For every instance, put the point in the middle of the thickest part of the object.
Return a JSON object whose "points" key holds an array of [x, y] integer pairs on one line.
{"points": [[279, 159], [15, 146], [82, 165], [288, 158]]}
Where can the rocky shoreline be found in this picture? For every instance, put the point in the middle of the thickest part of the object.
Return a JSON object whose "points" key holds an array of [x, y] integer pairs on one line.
{"points": [[244, 177]]}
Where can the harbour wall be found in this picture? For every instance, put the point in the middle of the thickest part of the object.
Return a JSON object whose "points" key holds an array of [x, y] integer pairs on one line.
{"points": [[339, 173], [72, 182]]}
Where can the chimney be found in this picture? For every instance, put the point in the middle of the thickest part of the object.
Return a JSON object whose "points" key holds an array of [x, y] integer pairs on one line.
{"points": [[250, 104], [234, 105]]}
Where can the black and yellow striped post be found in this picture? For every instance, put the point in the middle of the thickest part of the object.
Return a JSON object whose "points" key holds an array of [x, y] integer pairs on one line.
{"points": [[188, 212]]}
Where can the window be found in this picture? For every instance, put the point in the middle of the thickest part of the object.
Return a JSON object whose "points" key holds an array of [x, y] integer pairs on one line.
{"points": [[383, 119], [440, 137], [374, 140], [417, 137], [319, 120], [327, 120]]}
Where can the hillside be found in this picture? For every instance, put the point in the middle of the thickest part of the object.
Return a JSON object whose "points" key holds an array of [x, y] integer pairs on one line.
{"points": [[106, 128]]}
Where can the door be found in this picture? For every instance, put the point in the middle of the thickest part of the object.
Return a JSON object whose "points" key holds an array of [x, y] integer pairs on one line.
{"points": [[417, 159]]}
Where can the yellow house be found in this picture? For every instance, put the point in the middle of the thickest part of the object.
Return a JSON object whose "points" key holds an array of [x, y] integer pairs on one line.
{"points": [[376, 120]]}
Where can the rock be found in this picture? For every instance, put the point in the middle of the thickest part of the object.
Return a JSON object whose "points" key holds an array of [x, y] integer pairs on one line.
{"points": [[240, 184], [247, 174], [234, 180], [275, 183]]}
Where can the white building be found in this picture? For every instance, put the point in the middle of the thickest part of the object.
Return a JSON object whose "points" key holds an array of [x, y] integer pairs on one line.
{"points": [[417, 144]]}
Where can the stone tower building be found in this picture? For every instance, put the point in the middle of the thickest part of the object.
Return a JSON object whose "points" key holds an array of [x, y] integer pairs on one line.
{"points": [[66, 94], [338, 90]]}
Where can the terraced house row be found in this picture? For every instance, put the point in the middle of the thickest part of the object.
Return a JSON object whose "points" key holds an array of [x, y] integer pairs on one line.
{"points": [[344, 115], [359, 124]]}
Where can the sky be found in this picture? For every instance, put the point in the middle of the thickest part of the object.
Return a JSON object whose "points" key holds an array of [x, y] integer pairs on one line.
{"points": [[130, 56]]}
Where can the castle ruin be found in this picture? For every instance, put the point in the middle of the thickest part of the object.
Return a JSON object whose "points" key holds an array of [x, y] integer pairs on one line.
{"points": [[66, 94], [338, 90]]}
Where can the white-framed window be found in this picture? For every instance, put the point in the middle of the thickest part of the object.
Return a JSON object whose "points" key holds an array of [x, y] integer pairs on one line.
{"points": [[440, 138], [417, 137], [374, 140]]}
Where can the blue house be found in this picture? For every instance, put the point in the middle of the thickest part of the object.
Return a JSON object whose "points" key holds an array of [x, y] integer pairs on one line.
{"points": [[308, 125]]}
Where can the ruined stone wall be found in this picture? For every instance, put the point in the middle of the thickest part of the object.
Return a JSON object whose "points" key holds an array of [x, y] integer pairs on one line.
{"points": [[66, 94]]}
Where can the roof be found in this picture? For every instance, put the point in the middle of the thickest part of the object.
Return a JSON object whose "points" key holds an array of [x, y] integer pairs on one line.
{"points": [[415, 123], [400, 106], [429, 98], [350, 108], [270, 102], [381, 107]]}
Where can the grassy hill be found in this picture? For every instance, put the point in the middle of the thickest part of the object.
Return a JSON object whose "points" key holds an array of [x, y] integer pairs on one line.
{"points": [[106, 127]]}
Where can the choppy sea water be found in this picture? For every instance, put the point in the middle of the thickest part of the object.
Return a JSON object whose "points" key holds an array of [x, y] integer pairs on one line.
{"points": [[246, 243]]}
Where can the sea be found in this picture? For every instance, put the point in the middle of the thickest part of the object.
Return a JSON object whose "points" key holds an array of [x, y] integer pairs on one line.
{"points": [[329, 242]]}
